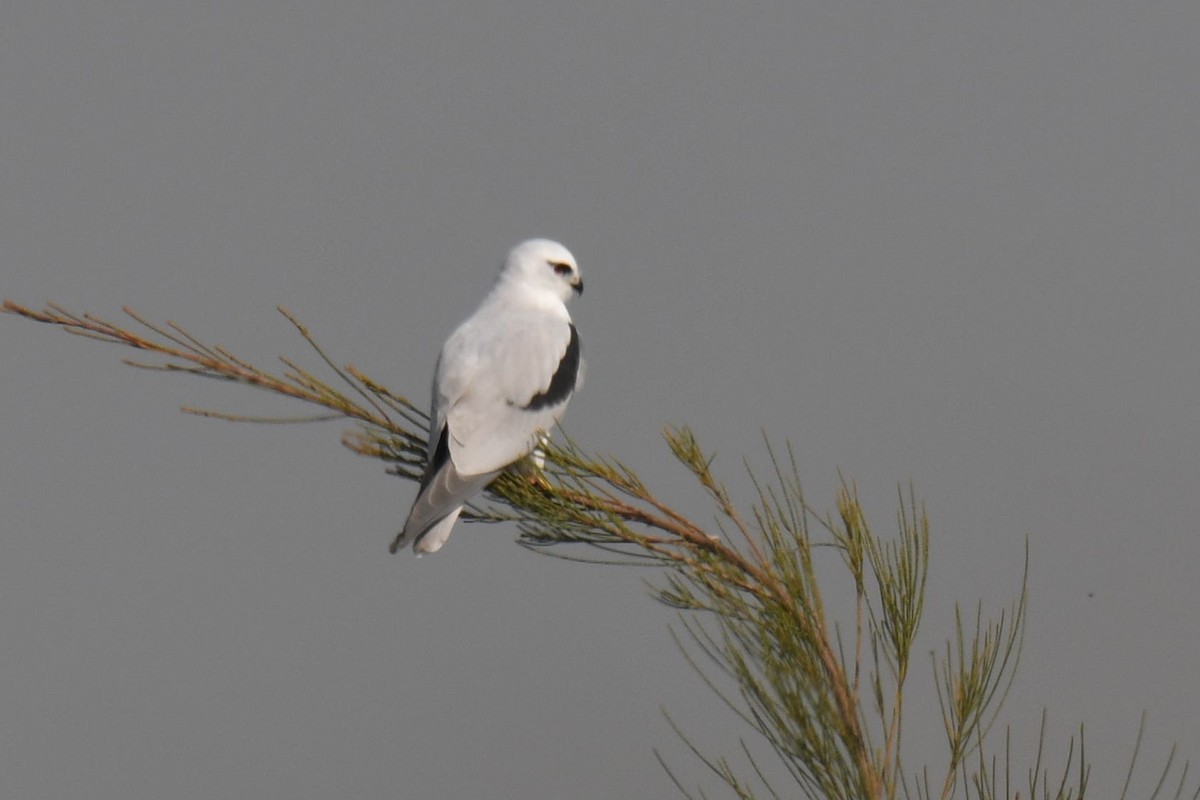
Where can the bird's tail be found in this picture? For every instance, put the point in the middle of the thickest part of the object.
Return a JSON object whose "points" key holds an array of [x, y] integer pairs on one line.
{"points": [[437, 507]]}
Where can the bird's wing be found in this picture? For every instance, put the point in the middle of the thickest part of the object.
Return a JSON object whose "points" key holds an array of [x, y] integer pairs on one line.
{"points": [[501, 382]]}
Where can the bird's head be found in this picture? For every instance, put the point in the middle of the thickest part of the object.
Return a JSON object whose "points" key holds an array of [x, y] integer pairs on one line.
{"points": [[545, 265]]}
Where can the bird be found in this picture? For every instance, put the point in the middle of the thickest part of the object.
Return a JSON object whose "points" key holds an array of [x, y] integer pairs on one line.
{"points": [[502, 382]]}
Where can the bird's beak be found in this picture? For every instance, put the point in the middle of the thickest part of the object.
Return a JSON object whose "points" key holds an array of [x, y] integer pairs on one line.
{"points": [[578, 286]]}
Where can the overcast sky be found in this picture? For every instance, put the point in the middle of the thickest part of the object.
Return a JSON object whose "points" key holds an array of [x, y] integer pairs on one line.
{"points": [[952, 243]]}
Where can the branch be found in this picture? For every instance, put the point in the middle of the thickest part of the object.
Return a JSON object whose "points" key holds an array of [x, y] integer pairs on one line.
{"points": [[751, 602]]}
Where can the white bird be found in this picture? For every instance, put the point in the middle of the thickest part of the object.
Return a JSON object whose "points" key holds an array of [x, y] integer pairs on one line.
{"points": [[502, 381]]}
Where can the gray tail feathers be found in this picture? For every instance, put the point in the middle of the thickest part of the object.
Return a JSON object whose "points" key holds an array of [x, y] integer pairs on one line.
{"points": [[437, 507]]}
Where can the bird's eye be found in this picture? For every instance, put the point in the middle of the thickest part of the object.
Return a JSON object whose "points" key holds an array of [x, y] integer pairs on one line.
{"points": [[561, 268]]}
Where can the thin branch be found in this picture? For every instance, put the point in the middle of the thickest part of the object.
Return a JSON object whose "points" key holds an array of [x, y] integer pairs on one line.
{"points": [[752, 600]]}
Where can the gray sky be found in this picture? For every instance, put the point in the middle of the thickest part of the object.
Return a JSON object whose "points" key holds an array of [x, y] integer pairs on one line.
{"points": [[947, 242]]}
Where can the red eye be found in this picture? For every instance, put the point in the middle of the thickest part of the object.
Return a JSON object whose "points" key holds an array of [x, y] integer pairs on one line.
{"points": [[560, 268]]}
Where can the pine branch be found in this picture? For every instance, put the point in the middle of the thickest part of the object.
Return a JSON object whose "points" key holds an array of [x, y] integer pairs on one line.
{"points": [[749, 594]]}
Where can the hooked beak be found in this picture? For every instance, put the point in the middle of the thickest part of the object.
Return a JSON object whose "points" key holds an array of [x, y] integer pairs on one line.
{"points": [[578, 286]]}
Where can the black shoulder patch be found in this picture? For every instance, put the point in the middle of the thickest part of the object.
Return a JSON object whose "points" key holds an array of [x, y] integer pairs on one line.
{"points": [[440, 455], [563, 382]]}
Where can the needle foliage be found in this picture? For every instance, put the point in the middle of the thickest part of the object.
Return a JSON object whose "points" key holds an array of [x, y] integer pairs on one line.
{"points": [[826, 703]]}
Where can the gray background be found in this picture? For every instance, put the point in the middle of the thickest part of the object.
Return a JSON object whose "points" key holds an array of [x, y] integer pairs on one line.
{"points": [[952, 243]]}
